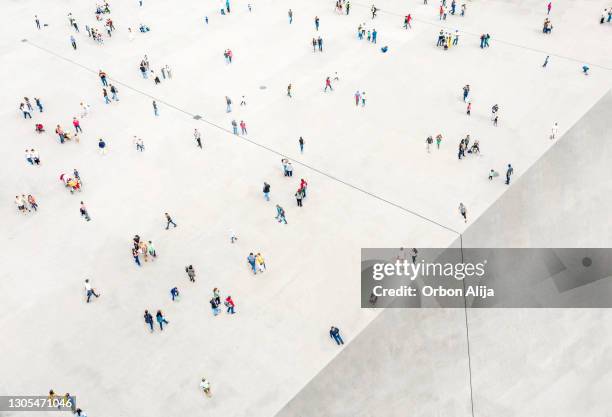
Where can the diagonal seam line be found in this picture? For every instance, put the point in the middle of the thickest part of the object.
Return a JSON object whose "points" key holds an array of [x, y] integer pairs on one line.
{"points": [[467, 332], [515, 45], [298, 162]]}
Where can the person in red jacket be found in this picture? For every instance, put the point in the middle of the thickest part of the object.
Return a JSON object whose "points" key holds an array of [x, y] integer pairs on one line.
{"points": [[77, 125], [229, 303], [303, 186]]}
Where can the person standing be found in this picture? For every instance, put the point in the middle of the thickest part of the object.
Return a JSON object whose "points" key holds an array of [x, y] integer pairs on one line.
{"points": [[73, 42], [214, 304], [135, 254], [469, 108], [554, 131], [114, 92], [548, 7], [463, 211], [301, 142], [509, 172], [299, 195], [169, 221], [89, 290], [317, 22], [190, 273], [243, 128], [229, 303], [77, 125], [303, 186], [205, 387], [148, 318], [102, 146], [198, 137], [155, 110], [289, 90], [334, 333], [363, 99], [234, 127], [151, 250], [228, 104], [290, 16], [266, 191], [32, 202], [160, 319], [174, 293]]}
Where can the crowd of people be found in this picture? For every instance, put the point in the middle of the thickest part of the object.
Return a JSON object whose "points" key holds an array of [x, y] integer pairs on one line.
{"points": [[143, 249]]}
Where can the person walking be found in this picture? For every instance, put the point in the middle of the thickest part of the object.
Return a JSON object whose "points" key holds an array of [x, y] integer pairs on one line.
{"points": [[546, 61], [148, 318], [328, 84], [84, 212], [89, 291], [73, 42], [266, 191], [105, 95], [290, 13], [260, 262], [334, 333], [228, 104], [280, 214], [174, 293], [234, 127], [37, 21], [38, 104], [198, 137], [161, 320], [509, 172], [243, 128], [155, 109], [463, 211], [190, 273], [169, 221], [251, 262], [301, 142]]}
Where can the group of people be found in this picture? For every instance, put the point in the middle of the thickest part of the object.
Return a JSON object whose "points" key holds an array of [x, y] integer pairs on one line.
{"points": [[256, 263], [446, 40], [22, 203], [146, 249], [364, 33], [73, 183]]}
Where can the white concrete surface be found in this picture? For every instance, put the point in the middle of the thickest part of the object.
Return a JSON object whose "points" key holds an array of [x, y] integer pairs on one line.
{"points": [[260, 358]]}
